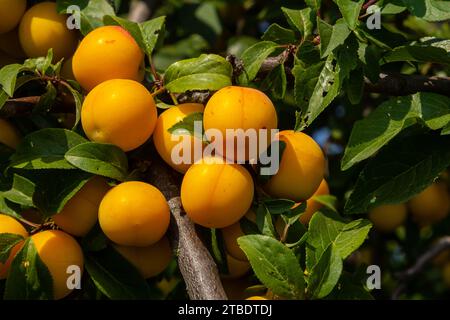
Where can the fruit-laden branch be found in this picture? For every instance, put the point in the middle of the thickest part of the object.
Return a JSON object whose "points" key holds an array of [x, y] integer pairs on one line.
{"points": [[198, 268], [407, 275]]}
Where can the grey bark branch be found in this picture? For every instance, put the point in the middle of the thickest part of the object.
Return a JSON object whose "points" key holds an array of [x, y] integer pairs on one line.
{"points": [[407, 275], [396, 84], [198, 268]]}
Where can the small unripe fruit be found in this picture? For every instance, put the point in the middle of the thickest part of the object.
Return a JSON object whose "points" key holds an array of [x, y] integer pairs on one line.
{"points": [[11, 11], [240, 108], [431, 205], [216, 194], [58, 251], [387, 218], [149, 261], [134, 214], [80, 213], [301, 170], [42, 28], [121, 112], [10, 225], [106, 53], [163, 138], [9, 135], [312, 205]]}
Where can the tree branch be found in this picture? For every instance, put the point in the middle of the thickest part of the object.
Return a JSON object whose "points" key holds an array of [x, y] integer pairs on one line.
{"points": [[195, 262], [397, 84], [405, 276]]}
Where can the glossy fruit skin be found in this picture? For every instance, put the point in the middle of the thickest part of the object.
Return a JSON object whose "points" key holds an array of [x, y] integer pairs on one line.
{"points": [[42, 28], [10, 44], [124, 58], [11, 11], [244, 108], [236, 268], [230, 235], [387, 218], [162, 137], [10, 225], [216, 194], [80, 213], [9, 135], [302, 168], [149, 261], [58, 251], [134, 214], [121, 112], [312, 205], [431, 205], [256, 298]]}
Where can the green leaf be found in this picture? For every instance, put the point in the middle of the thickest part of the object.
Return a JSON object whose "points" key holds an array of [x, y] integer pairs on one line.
{"points": [[326, 88], [327, 200], [100, 159], [276, 82], [115, 277], [275, 265], [278, 34], [429, 10], [29, 278], [146, 34], [389, 119], [382, 38], [420, 53], [207, 72], [331, 36], [45, 149], [350, 11], [78, 98], [253, 58], [7, 242], [355, 86], [369, 56], [302, 20], [9, 208], [327, 227], [46, 100], [19, 82], [326, 273], [53, 188], [8, 77], [264, 221], [399, 171], [92, 15], [446, 129], [278, 206], [314, 4], [152, 31], [95, 240], [349, 289], [21, 192], [187, 125]]}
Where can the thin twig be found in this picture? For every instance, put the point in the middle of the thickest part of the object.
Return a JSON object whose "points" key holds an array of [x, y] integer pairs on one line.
{"points": [[407, 275]]}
